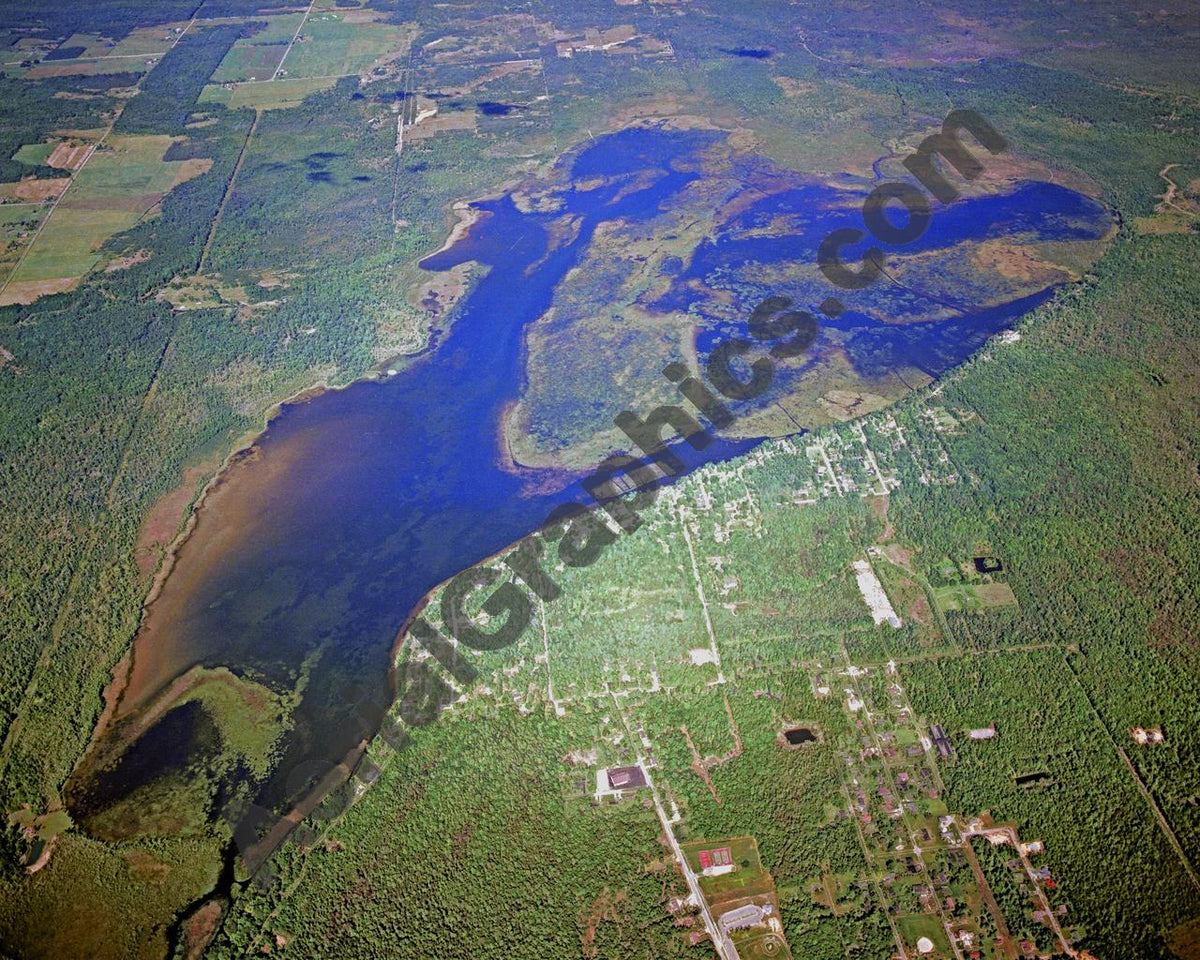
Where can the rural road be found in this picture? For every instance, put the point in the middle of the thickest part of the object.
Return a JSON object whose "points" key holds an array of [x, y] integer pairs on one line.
{"points": [[1010, 836], [724, 949]]}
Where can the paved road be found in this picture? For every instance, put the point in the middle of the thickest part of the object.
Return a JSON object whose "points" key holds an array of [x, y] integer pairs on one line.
{"points": [[725, 950], [1011, 835]]}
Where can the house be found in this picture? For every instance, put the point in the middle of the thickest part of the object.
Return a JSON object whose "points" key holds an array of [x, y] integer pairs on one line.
{"points": [[626, 778], [938, 734], [983, 733]]}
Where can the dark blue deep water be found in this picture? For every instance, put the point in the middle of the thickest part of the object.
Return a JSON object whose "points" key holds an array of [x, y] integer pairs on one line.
{"points": [[361, 500]]}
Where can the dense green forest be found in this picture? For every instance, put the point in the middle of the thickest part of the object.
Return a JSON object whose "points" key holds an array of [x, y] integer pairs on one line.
{"points": [[1062, 689]]}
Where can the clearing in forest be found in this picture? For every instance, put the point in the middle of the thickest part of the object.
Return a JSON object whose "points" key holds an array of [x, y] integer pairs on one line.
{"points": [[123, 180]]}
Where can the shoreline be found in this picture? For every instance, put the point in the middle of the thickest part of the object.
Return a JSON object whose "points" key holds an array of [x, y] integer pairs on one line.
{"points": [[248, 446], [467, 216], [244, 448]]}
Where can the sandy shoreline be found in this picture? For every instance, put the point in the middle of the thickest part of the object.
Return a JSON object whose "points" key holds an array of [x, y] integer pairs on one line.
{"points": [[468, 216], [243, 450]]}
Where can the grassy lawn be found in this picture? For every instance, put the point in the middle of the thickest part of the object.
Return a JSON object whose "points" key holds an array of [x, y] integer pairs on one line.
{"points": [[974, 597], [915, 926]]}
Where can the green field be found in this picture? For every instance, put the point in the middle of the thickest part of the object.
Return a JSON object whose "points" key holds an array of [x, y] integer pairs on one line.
{"points": [[913, 928], [331, 44], [18, 222], [271, 95], [34, 154], [971, 597], [258, 56], [748, 868], [250, 62], [121, 182], [144, 41]]}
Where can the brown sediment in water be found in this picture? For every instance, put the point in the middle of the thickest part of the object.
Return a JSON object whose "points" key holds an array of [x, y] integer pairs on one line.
{"points": [[222, 518], [228, 518], [149, 664], [544, 473]]}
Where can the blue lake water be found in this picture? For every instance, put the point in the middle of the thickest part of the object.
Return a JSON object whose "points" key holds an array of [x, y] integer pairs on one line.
{"points": [[356, 503]]}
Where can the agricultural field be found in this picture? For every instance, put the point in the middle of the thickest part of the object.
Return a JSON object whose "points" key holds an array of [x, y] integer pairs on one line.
{"points": [[279, 94], [250, 62], [18, 224], [257, 57], [139, 42], [123, 181], [339, 44], [970, 597], [34, 154], [84, 54]]}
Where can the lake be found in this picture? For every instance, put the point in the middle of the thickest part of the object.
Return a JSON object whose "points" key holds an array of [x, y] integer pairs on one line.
{"points": [[313, 548]]}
